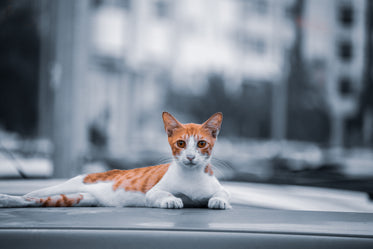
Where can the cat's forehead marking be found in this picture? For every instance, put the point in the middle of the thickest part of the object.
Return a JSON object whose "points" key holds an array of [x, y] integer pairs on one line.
{"points": [[195, 131], [191, 136]]}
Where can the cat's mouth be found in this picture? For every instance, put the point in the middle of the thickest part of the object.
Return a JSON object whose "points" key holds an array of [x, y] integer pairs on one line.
{"points": [[189, 163]]}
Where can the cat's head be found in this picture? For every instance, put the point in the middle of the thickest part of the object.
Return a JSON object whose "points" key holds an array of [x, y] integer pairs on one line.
{"points": [[192, 144]]}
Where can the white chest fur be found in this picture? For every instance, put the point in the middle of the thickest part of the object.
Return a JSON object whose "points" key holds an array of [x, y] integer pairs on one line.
{"points": [[194, 184]]}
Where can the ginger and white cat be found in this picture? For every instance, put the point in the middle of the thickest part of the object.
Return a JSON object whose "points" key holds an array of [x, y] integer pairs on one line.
{"points": [[188, 181]]}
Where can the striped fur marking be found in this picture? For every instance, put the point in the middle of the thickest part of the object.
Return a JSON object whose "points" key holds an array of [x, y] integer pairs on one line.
{"points": [[140, 179]]}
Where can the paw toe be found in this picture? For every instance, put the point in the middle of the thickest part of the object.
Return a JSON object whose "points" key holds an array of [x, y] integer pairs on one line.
{"points": [[218, 203], [172, 202]]}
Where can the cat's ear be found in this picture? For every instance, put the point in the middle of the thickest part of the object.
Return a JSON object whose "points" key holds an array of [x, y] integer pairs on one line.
{"points": [[213, 124], [170, 123]]}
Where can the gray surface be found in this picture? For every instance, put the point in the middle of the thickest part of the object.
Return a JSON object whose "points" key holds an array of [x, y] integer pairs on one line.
{"points": [[239, 219], [170, 239], [242, 227]]}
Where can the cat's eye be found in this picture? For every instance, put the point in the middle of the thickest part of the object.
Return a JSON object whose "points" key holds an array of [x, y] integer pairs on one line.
{"points": [[180, 143], [201, 144]]}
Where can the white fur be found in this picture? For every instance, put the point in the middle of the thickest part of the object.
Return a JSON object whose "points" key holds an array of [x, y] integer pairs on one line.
{"points": [[74, 185], [192, 183], [106, 196], [191, 150]]}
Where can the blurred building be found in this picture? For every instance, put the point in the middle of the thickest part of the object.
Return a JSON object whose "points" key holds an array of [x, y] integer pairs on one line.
{"points": [[106, 65], [238, 39], [334, 45], [107, 68]]}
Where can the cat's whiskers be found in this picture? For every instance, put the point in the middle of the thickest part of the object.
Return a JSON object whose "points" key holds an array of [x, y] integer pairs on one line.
{"points": [[222, 169], [164, 160]]}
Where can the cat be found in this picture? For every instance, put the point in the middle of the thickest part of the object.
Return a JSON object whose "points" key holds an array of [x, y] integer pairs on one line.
{"points": [[188, 181]]}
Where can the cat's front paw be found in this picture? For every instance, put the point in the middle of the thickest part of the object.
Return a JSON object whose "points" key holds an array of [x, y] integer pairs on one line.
{"points": [[219, 203], [171, 202]]}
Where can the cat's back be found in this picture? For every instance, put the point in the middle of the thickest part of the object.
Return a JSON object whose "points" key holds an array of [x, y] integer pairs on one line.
{"points": [[136, 180]]}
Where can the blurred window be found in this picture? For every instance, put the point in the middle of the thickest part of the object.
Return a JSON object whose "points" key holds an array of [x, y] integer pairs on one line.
{"points": [[96, 3], [345, 50], [162, 9], [108, 31], [250, 7], [345, 86], [259, 46], [126, 4], [256, 45], [289, 12], [261, 6], [251, 44], [346, 15]]}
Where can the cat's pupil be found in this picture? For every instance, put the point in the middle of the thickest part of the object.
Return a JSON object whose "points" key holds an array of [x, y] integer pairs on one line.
{"points": [[181, 143], [201, 144]]}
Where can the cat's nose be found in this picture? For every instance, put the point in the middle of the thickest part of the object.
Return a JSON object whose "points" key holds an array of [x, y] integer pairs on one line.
{"points": [[190, 157]]}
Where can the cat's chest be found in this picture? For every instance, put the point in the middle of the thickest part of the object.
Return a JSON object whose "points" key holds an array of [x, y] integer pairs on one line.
{"points": [[191, 187]]}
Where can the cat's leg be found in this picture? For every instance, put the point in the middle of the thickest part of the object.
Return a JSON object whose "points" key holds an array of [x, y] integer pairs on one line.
{"points": [[69, 200], [162, 199], [73, 192], [74, 185], [102, 192], [220, 200], [14, 201]]}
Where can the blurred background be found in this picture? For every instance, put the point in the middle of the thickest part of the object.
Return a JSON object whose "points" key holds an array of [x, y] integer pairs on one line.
{"points": [[83, 85]]}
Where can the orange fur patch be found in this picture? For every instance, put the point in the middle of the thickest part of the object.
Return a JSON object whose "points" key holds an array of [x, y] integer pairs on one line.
{"points": [[140, 179], [58, 201], [208, 169]]}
